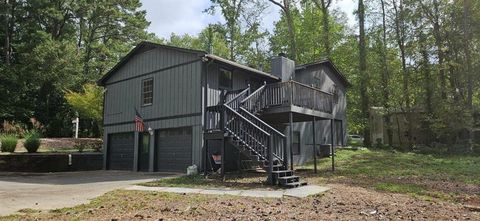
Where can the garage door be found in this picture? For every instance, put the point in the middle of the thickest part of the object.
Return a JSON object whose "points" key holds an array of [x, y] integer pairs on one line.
{"points": [[174, 149], [120, 151]]}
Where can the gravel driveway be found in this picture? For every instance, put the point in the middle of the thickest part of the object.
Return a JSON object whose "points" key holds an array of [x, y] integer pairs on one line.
{"points": [[58, 190]]}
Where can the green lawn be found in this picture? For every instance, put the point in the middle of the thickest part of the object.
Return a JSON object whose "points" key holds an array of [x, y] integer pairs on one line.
{"points": [[391, 164], [448, 177]]}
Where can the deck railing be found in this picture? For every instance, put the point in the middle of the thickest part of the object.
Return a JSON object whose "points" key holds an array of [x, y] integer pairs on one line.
{"points": [[298, 94]]}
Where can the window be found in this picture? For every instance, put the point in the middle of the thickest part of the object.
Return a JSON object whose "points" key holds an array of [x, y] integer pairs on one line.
{"points": [[335, 94], [147, 91], [296, 143], [225, 79], [317, 82]]}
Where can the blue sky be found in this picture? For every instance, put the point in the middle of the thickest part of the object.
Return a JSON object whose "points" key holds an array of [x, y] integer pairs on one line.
{"points": [[186, 16]]}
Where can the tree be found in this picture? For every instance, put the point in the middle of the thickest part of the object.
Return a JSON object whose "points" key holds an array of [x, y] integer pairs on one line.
{"points": [[286, 9], [324, 5], [50, 46], [88, 103], [385, 75], [231, 11], [363, 72]]}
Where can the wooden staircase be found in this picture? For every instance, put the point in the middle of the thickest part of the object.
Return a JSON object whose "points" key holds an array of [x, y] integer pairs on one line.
{"points": [[256, 139]]}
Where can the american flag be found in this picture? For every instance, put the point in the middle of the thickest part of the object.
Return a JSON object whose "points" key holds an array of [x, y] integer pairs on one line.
{"points": [[139, 125]]}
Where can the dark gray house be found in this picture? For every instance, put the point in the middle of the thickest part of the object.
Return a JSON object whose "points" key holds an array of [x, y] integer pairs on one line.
{"points": [[196, 105]]}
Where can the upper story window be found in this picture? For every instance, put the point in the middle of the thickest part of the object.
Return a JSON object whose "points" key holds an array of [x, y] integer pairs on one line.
{"points": [[147, 91], [317, 82], [225, 79], [335, 94]]}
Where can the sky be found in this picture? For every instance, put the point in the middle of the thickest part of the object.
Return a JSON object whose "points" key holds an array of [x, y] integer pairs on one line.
{"points": [[187, 17]]}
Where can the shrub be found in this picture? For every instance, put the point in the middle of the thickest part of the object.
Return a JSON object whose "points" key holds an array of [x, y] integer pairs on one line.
{"points": [[32, 141], [8, 143]]}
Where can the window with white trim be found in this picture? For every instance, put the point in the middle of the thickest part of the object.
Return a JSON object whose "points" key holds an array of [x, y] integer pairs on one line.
{"points": [[147, 91]]}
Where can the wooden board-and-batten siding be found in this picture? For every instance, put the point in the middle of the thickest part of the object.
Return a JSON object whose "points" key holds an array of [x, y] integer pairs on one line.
{"points": [[177, 100]]}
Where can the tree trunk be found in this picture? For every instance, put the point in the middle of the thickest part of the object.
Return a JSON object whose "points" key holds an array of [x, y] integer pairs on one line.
{"points": [[9, 23], [363, 74], [466, 48], [386, 77], [468, 71], [322, 5], [400, 37], [291, 30], [428, 84]]}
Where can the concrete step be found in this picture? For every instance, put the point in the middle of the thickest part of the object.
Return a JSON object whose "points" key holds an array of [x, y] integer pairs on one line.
{"points": [[294, 184]]}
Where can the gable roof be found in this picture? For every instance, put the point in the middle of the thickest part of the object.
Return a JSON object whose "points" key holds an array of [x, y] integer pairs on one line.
{"points": [[329, 63], [140, 48], [146, 46], [240, 66]]}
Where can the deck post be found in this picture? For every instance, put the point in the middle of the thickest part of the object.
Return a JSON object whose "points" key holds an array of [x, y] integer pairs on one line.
{"points": [[332, 148], [285, 154], [205, 156], [314, 146], [270, 160], [291, 141], [223, 159]]}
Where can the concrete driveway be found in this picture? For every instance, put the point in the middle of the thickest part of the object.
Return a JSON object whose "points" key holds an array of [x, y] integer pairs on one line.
{"points": [[58, 190]]}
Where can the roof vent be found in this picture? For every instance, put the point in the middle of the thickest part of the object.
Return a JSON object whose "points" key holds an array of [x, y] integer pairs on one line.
{"points": [[282, 54]]}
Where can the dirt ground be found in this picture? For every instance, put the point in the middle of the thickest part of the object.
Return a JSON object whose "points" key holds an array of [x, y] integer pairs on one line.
{"points": [[343, 202]]}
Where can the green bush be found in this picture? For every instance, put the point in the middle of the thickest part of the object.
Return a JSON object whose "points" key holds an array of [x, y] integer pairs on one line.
{"points": [[8, 143], [32, 141]]}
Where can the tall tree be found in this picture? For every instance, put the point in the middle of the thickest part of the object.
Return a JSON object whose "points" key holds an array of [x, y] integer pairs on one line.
{"points": [[285, 6], [433, 14], [386, 75], [363, 72], [324, 5], [231, 11], [400, 35]]}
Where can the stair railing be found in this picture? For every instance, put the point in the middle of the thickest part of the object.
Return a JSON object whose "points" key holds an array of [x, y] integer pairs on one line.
{"points": [[278, 140], [235, 101], [254, 103], [252, 136]]}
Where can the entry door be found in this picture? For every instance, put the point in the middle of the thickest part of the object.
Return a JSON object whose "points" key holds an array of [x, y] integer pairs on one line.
{"points": [[144, 152]]}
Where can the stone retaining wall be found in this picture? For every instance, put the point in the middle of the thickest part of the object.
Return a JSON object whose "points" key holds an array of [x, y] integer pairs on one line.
{"points": [[50, 162]]}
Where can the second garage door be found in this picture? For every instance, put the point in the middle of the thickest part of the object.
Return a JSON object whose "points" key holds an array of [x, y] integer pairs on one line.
{"points": [[120, 151], [174, 149]]}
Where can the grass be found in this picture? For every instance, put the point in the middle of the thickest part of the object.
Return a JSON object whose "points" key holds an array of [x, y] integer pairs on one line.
{"points": [[232, 180], [446, 177], [182, 181], [390, 164], [422, 175], [115, 202]]}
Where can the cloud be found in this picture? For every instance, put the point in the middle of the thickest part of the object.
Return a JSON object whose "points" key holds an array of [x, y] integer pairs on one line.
{"points": [[187, 17], [177, 16]]}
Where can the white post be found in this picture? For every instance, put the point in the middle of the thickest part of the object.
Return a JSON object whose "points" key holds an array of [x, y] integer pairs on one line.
{"points": [[76, 121]]}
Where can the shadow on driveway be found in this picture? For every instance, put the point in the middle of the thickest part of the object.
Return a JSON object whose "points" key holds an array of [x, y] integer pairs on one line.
{"points": [[65, 189], [80, 177]]}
